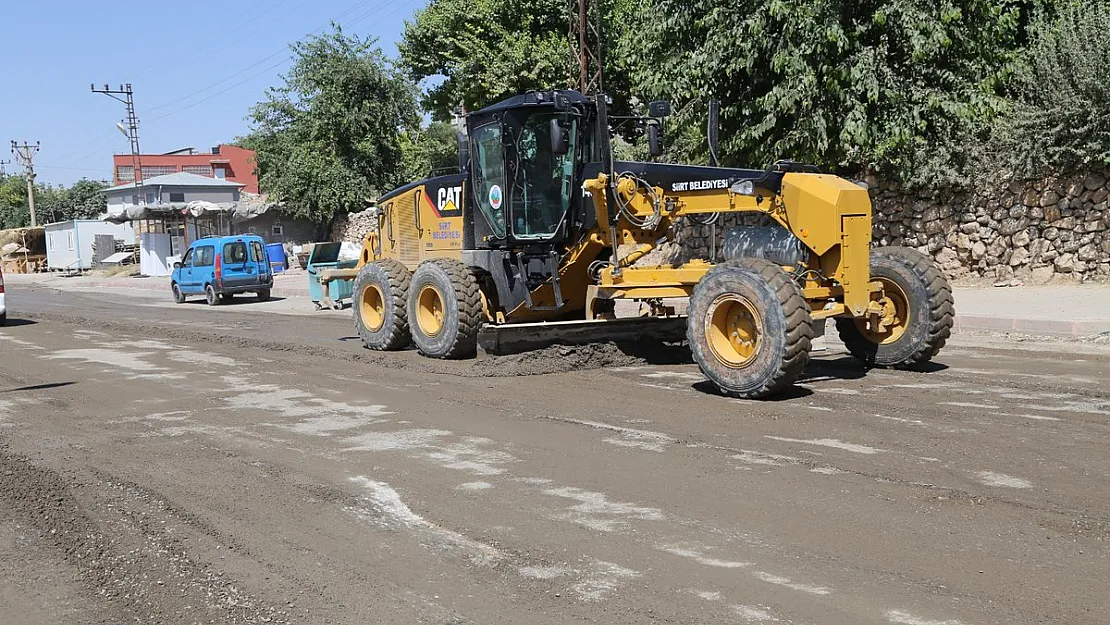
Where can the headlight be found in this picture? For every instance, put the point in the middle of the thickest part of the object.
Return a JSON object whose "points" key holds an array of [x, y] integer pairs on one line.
{"points": [[743, 187]]}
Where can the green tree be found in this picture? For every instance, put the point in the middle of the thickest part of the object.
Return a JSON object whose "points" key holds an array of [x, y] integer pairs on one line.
{"points": [[83, 200], [1060, 115], [885, 85], [329, 138], [478, 52], [428, 150], [13, 202]]}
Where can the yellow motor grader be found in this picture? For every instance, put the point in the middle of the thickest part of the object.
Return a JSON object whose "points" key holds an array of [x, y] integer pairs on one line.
{"points": [[538, 235]]}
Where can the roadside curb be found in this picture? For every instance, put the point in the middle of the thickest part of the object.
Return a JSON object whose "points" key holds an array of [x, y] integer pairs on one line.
{"points": [[1052, 327]]}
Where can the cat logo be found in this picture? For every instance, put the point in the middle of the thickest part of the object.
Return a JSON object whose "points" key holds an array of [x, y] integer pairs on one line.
{"points": [[448, 200]]}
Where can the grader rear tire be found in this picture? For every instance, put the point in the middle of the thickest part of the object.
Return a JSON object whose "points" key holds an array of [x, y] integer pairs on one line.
{"points": [[749, 328], [918, 301], [445, 309], [380, 305]]}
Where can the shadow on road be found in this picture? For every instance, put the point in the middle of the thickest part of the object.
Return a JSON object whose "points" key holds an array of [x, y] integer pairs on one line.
{"points": [[38, 387], [240, 300], [14, 323]]}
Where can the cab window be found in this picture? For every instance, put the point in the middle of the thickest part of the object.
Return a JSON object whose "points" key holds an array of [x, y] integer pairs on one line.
{"points": [[205, 256], [488, 162], [544, 184], [235, 252]]}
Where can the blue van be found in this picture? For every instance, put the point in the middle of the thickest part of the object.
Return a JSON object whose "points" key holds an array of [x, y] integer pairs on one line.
{"points": [[218, 267]]}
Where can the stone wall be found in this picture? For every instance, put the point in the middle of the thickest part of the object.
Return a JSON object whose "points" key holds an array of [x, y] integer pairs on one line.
{"points": [[353, 227], [1034, 230]]}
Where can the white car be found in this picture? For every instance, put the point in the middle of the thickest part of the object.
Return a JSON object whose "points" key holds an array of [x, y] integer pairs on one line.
{"points": [[3, 307]]}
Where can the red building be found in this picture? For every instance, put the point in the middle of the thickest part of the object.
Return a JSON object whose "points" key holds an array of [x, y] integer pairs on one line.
{"points": [[225, 162]]}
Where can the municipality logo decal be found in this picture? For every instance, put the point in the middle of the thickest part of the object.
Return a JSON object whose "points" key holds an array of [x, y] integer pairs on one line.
{"points": [[495, 196]]}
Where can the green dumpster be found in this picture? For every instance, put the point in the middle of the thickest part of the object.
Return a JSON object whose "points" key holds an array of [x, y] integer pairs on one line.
{"points": [[328, 286]]}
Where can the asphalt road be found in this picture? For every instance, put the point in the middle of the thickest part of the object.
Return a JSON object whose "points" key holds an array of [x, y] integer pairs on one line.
{"points": [[185, 464]]}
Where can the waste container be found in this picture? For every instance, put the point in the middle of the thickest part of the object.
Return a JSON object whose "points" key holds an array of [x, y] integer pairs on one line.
{"points": [[325, 256], [276, 253]]}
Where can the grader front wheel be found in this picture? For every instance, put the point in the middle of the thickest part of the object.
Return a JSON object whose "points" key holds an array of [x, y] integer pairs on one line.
{"points": [[749, 328], [917, 312]]}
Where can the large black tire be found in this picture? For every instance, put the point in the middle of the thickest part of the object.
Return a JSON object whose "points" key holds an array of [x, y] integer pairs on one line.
{"points": [[749, 328], [918, 290], [380, 304], [211, 297], [445, 309], [178, 296], [3, 319]]}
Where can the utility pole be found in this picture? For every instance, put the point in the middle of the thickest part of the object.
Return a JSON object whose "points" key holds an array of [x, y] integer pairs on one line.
{"points": [[585, 45], [2, 163], [125, 95], [25, 154]]}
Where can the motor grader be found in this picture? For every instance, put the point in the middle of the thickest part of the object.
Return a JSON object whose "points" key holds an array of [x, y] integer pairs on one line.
{"points": [[539, 234]]}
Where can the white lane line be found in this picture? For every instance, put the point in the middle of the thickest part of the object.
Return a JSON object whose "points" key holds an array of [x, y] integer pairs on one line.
{"points": [[474, 486], [697, 556], [1035, 417], [756, 457], [990, 478], [830, 442], [968, 404], [782, 581], [905, 618], [901, 420]]}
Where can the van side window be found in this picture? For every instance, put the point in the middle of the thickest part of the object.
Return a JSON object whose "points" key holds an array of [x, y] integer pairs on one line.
{"points": [[206, 256], [235, 252], [188, 258], [258, 255]]}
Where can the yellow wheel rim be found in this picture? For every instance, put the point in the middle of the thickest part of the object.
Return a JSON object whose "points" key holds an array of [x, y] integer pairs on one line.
{"points": [[372, 308], [734, 330], [429, 310], [895, 316]]}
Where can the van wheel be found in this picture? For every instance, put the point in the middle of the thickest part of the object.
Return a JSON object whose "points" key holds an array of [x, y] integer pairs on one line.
{"points": [[210, 296], [178, 296], [263, 295], [3, 319]]}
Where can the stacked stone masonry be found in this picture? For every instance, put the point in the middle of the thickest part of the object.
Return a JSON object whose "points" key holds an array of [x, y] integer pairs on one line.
{"points": [[1034, 230]]}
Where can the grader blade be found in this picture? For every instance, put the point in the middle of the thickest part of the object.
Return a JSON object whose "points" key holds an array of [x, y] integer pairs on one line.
{"points": [[521, 337]]}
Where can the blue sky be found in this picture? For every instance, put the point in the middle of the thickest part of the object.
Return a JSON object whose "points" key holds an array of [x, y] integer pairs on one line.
{"points": [[196, 68]]}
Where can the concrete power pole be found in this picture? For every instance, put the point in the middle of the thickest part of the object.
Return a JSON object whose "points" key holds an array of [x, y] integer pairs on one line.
{"points": [[585, 45], [25, 154], [125, 95]]}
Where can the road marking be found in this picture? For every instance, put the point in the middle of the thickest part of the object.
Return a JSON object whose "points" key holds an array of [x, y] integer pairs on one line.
{"points": [[782, 581], [990, 478], [968, 404], [830, 442], [827, 471], [756, 457], [905, 618], [700, 558], [474, 486]]}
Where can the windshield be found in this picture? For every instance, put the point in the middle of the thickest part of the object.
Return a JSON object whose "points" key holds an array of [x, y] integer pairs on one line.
{"points": [[544, 182]]}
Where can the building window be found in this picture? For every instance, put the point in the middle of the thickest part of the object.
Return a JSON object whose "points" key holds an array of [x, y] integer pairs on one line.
{"points": [[69, 239], [277, 230], [135, 200], [150, 197], [150, 171], [220, 172], [177, 197], [125, 172], [50, 241], [235, 195], [199, 170]]}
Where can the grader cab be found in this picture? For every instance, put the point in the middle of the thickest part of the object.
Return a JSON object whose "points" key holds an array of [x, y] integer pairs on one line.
{"points": [[540, 232]]}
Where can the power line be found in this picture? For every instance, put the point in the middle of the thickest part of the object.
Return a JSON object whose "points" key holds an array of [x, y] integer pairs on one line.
{"points": [[25, 154], [218, 93]]}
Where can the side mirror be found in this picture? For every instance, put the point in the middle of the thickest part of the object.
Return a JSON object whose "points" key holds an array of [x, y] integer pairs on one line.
{"points": [[560, 142], [659, 108], [177, 265], [655, 140]]}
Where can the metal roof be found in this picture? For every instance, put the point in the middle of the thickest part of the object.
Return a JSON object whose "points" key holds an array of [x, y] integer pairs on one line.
{"points": [[180, 179]]}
